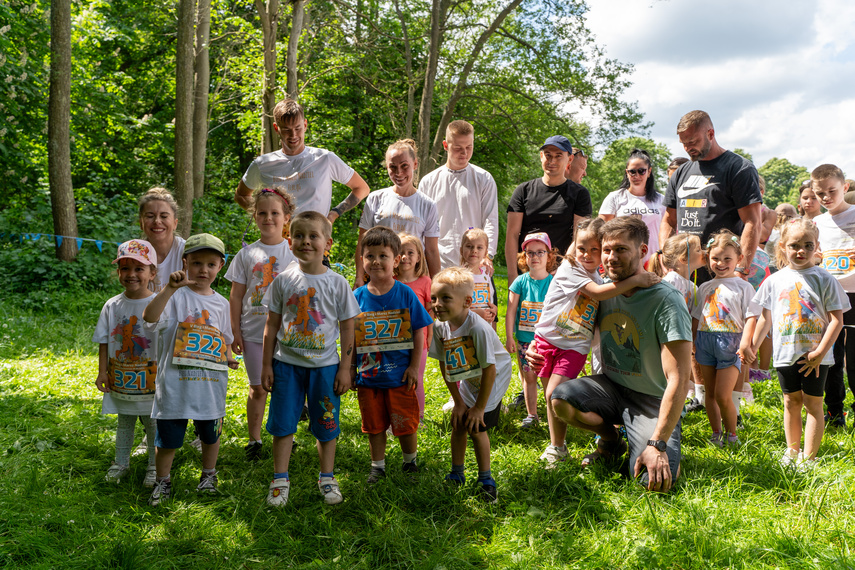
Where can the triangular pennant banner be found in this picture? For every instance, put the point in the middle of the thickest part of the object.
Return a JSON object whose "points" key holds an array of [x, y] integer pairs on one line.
{"points": [[36, 237], [58, 241], [98, 244], [79, 243]]}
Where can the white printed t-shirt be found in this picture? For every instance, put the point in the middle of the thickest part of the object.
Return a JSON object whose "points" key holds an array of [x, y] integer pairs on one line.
{"points": [[307, 176], [174, 262], [723, 305], [799, 302], [624, 203], [131, 353], [836, 236], [311, 307], [465, 351], [192, 325], [686, 288], [464, 199], [256, 266], [415, 214], [569, 317]]}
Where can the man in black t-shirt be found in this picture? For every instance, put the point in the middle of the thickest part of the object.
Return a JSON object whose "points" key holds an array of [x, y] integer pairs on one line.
{"points": [[548, 204]]}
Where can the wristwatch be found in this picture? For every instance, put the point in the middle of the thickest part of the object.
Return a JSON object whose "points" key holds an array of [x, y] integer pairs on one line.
{"points": [[741, 270], [658, 444]]}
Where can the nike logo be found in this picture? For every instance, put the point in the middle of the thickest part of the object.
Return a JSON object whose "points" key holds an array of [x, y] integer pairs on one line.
{"points": [[684, 192], [693, 185]]}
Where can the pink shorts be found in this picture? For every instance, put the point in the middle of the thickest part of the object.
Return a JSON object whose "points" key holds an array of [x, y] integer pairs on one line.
{"points": [[567, 363]]}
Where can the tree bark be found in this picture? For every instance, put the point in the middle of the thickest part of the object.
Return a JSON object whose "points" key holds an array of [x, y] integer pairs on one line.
{"points": [[411, 83], [59, 145], [268, 13], [200, 93], [437, 22], [184, 77], [297, 12]]}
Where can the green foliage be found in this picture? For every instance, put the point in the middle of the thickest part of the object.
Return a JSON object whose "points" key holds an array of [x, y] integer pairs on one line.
{"points": [[783, 179], [606, 174], [743, 153]]}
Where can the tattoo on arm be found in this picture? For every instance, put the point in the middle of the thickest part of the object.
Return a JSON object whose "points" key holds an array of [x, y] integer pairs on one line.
{"points": [[347, 204], [349, 350]]}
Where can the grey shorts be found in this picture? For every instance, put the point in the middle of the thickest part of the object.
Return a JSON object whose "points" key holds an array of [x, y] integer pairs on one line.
{"points": [[617, 404]]}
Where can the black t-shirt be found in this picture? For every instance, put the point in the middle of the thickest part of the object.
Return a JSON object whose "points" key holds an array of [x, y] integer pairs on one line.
{"points": [[708, 193], [550, 209]]}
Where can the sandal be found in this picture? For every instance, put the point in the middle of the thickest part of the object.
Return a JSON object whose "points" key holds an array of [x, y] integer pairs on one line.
{"points": [[606, 451]]}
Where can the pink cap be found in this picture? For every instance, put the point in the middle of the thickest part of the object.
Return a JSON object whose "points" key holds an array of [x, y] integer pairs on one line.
{"points": [[539, 236], [139, 250]]}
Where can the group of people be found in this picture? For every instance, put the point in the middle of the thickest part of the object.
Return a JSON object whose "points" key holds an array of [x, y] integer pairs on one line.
{"points": [[654, 290]]}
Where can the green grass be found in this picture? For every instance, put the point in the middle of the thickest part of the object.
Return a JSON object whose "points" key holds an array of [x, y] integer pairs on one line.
{"points": [[731, 509]]}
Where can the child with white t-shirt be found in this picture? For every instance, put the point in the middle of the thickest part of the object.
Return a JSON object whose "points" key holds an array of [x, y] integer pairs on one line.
{"points": [[251, 272], [126, 364], [473, 250]]}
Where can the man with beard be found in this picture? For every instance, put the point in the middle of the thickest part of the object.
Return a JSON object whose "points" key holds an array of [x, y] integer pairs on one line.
{"points": [[645, 339]]}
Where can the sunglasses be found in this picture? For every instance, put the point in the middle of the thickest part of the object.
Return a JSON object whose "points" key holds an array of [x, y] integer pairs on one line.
{"points": [[581, 152], [633, 171]]}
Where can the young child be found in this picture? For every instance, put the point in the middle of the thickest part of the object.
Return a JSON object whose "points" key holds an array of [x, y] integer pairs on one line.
{"points": [[469, 352], [412, 271], [473, 249], [251, 273], [193, 361], [309, 305], [805, 304], [674, 264], [717, 323], [390, 337], [126, 364], [565, 331], [837, 237], [536, 262]]}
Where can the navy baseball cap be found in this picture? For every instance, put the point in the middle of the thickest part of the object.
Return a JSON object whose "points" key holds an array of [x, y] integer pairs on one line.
{"points": [[560, 142]]}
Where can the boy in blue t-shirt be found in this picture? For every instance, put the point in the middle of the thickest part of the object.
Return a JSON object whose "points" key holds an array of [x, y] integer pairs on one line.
{"points": [[390, 337]]}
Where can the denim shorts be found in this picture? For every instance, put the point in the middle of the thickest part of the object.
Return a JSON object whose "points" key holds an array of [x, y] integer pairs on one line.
{"points": [[718, 349], [293, 385]]}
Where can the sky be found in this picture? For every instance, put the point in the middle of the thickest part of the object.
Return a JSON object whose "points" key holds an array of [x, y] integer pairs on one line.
{"points": [[777, 77]]}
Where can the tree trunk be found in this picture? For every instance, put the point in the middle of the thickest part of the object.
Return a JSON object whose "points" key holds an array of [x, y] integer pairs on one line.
{"points": [[411, 83], [297, 12], [437, 21], [59, 113], [200, 92], [269, 14], [184, 77]]}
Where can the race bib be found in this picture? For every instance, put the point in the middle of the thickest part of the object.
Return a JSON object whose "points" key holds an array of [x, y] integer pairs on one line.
{"points": [[837, 262], [529, 315], [461, 363], [132, 381], [481, 296], [580, 320], [379, 331], [199, 346]]}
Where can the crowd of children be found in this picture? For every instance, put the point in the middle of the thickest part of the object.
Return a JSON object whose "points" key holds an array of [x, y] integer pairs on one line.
{"points": [[167, 341]]}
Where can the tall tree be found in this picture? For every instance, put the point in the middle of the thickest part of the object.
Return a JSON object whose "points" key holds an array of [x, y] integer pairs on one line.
{"points": [[297, 12], [59, 119], [268, 13], [783, 179], [200, 95], [184, 79]]}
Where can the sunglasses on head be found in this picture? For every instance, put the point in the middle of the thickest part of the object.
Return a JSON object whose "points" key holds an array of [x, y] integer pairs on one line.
{"points": [[639, 171], [580, 152]]}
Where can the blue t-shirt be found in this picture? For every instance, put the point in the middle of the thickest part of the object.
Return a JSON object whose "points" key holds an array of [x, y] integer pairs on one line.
{"points": [[383, 320], [531, 291]]}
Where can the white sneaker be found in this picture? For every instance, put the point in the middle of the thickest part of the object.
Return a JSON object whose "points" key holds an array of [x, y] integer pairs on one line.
{"points": [[747, 394], [328, 487], [803, 464], [150, 477], [790, 458], [116, 472], [554, 455], [196, 444], [448, 406], [141, 449], [277, 494]]}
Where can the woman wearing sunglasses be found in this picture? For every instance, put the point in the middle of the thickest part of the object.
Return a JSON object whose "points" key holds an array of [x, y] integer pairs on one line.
{"points": [[637, 196]]}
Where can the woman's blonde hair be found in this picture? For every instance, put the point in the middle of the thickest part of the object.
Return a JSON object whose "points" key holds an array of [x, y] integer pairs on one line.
{"points": [[421, 267], [796, 224], [676, 249], [157, 194]]}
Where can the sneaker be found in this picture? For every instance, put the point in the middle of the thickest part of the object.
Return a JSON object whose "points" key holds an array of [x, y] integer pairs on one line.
{"points": [[277, 493], [694, 406], [196, 444], [116, 472], [519, 401], [252, 450], [739, 424], [803, 464], [207, 483], [836, 421], [553, 455], [162, 491], [757, 375], [375, 475], [790, 458], [747, 394], [328, 487], [150, 476], [489, 494], [410, 467], [529, 422], [141, 449], [733, 440], [458, 479], [448, 406], [717, 439]]}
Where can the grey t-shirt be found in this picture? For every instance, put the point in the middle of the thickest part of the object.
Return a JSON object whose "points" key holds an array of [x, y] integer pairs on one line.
{"points": [[707, 194]]}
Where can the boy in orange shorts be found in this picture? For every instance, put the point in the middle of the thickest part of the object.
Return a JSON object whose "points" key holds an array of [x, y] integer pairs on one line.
{"points": [[390, 337]]}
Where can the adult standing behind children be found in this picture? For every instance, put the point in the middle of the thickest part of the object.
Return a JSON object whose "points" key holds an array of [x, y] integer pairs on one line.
{"points": [[717, 189], [158, 212], [465, 195], [303, 171], [546, 204]]}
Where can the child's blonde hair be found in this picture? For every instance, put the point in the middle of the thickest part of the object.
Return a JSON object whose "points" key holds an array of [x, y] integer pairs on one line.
{"points": [[591, 226], [675, 250], [458, 278], [312, 217], [421, 267], [275, 193], [804, 225], [722, 239], [783, 214], [472, 234]]}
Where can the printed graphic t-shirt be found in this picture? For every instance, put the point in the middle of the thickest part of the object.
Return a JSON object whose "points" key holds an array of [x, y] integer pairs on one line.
{"points": [[532, 293], [836, 237], [311, 307], [624, 203], [723, 305], [569, 317]]}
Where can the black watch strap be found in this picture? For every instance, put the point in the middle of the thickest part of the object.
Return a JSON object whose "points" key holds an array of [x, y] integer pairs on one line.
{"points": [[658, 444]]}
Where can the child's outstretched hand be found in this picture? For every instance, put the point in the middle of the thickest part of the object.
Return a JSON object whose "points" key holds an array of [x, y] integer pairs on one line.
{"points": [[511, 345], [103, 382], [411, 377], [645, 279], [811, 362], [178, 279]]}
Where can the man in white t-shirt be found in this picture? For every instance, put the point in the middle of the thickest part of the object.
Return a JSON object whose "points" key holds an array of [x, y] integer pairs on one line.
{"points": [[465, 195], [305, 172]]}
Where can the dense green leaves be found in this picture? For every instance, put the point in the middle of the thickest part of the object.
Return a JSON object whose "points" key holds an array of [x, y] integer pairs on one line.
{"points": [[783, 179]]}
